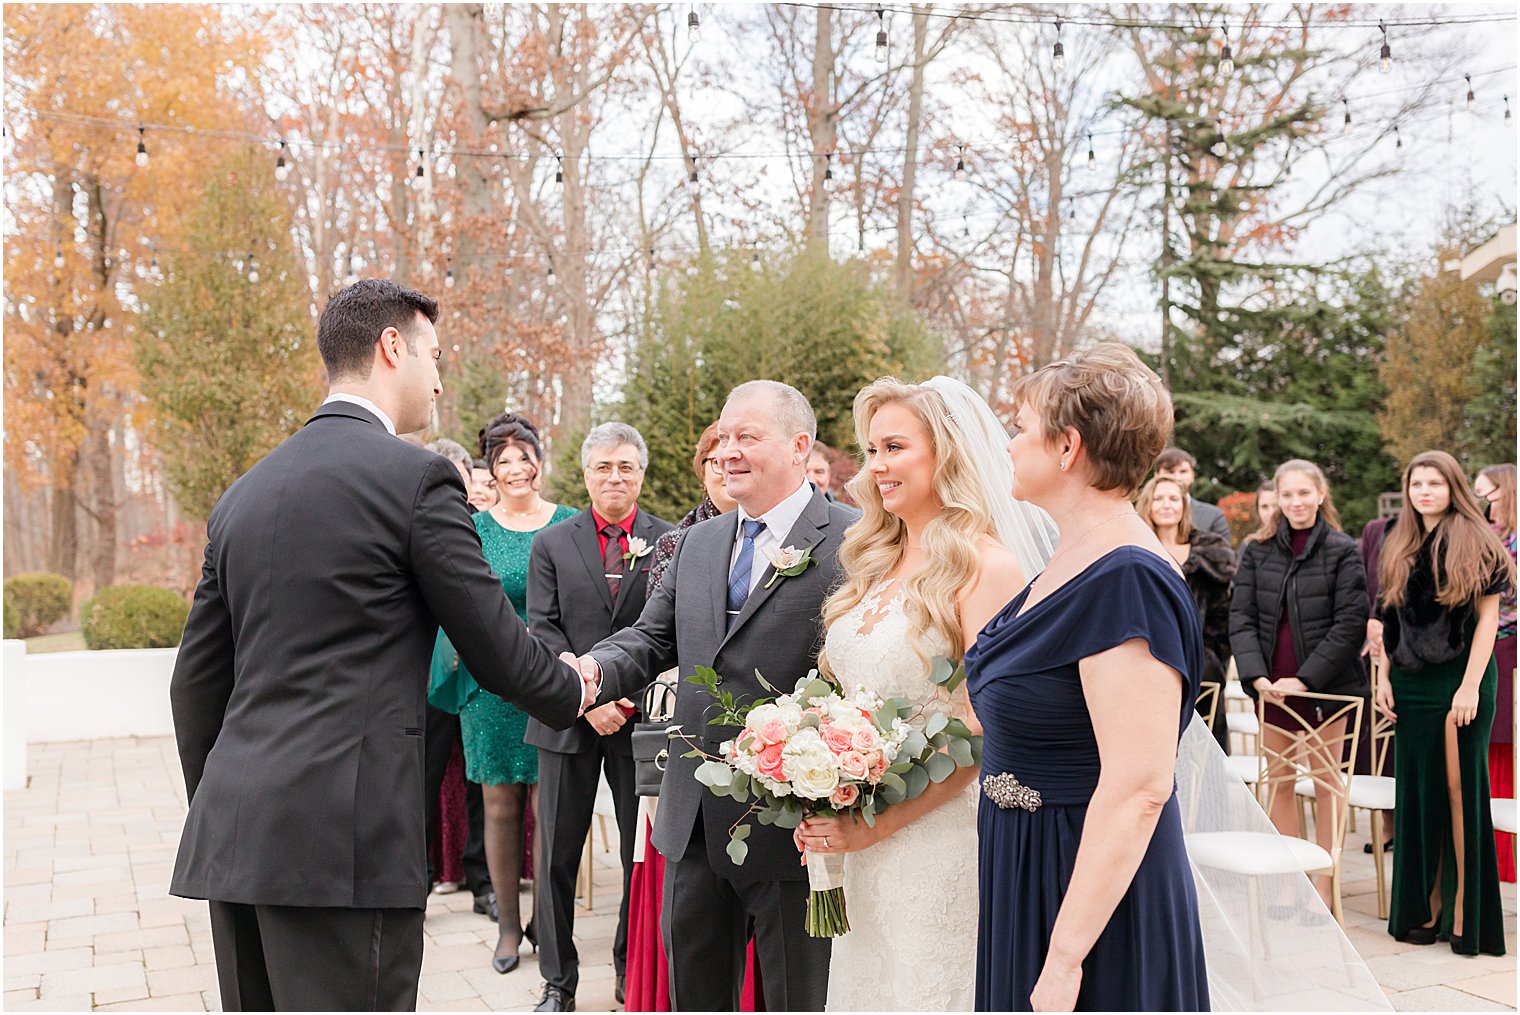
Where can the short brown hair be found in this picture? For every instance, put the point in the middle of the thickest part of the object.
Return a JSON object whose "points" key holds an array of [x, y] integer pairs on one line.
{"points": [[1114, 401], [705, 444], [1170, 458]]}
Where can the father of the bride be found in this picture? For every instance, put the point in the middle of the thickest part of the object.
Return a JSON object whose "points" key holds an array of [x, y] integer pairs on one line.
{"points": [[719, 607], [298, 693]]}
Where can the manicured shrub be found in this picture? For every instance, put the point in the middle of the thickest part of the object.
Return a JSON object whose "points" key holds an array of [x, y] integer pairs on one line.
{"points": [[133, 616], [40, 600]]}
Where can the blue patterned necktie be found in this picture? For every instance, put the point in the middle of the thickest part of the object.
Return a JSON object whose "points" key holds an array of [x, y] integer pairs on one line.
{"points": [[738, 581]]}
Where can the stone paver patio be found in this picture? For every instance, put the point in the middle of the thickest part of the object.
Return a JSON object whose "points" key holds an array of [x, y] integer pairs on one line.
{"points": [[90, 842]]}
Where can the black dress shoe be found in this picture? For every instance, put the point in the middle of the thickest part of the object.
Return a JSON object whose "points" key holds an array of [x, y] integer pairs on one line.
{"points": [[1417, 936], [617, 991], [1387, 846], [556, 999], [485, 905]]}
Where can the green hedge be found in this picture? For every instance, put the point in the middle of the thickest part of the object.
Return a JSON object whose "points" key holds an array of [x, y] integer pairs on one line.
{"points": [[133, 616], [35, 602]]}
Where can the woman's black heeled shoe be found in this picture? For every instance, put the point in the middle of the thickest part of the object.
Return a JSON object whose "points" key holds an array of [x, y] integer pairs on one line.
{"points": [[1418, 936], [1456, 944], [532, 936], [506, 963]]}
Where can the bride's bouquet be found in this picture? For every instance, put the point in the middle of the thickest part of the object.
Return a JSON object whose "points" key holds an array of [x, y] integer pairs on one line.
{"points": [[817, 752]]}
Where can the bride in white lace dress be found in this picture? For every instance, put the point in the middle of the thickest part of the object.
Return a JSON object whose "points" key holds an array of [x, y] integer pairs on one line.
{"points": [[929, 563]]}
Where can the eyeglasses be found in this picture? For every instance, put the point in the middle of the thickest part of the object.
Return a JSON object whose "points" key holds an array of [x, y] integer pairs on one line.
{"points": [[606, 469], [713, 464]]}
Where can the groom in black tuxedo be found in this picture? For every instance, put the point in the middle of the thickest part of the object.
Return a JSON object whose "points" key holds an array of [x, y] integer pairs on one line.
{"points": [[718, 606], [586, 579], [298, 693]]}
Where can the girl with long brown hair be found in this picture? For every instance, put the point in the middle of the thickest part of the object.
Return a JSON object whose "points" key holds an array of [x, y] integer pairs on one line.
{"points": [[1441, 574]]}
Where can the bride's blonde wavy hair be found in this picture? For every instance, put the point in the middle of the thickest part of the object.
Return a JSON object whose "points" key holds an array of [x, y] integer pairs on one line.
{"points": [[874, 545]]}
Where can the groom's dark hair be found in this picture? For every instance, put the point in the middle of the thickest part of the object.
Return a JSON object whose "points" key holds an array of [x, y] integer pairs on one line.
{"points": [[353, 320]]}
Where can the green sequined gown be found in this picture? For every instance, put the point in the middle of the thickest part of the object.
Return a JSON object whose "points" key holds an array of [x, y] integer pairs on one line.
{"points": [[492, 729]]}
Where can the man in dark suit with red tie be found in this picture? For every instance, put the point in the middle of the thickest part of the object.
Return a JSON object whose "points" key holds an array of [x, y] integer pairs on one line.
{"points": [[586, 579]]}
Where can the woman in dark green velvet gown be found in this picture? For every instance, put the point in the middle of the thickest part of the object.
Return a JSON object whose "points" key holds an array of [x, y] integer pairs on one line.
{"points": [[1442, 571]]}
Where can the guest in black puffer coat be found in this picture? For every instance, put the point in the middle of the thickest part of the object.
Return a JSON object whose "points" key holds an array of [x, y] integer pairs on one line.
{"points": [[1298, 619], [1208, 565]]}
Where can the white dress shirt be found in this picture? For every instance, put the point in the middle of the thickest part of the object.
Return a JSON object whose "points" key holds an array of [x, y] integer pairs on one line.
{"points": [[363, 403], [778, 523]]}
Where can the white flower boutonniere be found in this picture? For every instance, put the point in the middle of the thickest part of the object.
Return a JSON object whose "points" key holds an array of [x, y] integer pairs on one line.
{"points": [[789, 561], [636, 548]]}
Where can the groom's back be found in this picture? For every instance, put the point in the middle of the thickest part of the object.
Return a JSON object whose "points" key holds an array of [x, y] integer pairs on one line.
{"points": [[320, 744]]}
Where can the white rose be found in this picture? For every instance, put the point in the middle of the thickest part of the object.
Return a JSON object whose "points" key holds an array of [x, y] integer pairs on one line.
{"points": [[637, 547], [816, 782], [787, 556]]}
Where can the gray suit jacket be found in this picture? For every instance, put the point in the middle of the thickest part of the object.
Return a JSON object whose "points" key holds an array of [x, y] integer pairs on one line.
{"points": [[570, 609], [778, 632]]}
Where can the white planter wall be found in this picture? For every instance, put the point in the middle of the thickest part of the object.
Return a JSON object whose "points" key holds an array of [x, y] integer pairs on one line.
{"points": [[93, 695]]}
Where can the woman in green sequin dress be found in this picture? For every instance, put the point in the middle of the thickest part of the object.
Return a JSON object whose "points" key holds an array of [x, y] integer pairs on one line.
{"points": [[494, 753]]}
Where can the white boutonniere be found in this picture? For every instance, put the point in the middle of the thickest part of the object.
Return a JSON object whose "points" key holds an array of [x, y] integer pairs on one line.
{"points": [[789, 561], [636, 548]]}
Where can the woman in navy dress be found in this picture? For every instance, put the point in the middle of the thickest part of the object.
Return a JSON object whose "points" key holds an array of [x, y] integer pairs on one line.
{"points": [[1083, 684]]}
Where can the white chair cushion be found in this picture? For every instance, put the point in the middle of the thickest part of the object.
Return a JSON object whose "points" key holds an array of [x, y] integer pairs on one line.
{"points": [[1373, 792], [1246, 767], [1504, 814], [1235, 692], [1256, 853], [1243, 722]]}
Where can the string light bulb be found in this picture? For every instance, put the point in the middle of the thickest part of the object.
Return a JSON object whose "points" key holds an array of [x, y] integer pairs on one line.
{"points": [[1092, 158], [448, 275], [693, 30], [1227, 56], [1058, 51], [881, 35], [58, 257], [1398, 139], [960, 162], [1346, 120], [281, 168], [754, 260], [551, 270], [1472, 100], [692, 177], [142, 147], [559, 170], [828, 171], [1385, 55], [421, 156], [1506, 111], [253, 270]]}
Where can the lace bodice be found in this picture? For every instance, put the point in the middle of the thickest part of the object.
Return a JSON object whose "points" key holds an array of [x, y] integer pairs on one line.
{"points": [[914, 893], [868, 647]]}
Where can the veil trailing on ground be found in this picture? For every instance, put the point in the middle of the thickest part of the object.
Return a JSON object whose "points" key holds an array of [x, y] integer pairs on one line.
{"points": [[1024, 529], [1268, 940]]}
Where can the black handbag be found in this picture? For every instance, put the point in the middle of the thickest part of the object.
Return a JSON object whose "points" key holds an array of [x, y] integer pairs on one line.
{"points": [[651, 738]]}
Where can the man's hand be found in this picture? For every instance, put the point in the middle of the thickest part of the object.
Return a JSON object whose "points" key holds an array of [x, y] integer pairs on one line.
{"points": [[609, 718], [591, 677]]}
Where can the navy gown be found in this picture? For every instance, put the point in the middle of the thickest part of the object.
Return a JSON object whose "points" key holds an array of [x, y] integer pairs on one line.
{"points": [[1027, 691]]}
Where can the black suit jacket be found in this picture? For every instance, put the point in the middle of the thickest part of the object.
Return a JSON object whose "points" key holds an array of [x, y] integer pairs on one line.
{"points": [[570, 609], [779, 632], [299, 690]]}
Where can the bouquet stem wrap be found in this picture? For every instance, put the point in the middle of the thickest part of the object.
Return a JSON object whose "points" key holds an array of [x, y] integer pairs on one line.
{"points": [[825, 906]]}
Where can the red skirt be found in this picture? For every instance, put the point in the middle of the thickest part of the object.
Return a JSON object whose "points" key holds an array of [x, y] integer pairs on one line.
{"points": [[1501, 783], [648, 980]]}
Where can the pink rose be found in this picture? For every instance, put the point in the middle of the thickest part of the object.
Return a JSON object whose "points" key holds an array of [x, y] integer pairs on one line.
{"points": [[852, 765], [878, 765], [773, 731], [769, 763], [845, 796], [836, 738], [865, 739]]}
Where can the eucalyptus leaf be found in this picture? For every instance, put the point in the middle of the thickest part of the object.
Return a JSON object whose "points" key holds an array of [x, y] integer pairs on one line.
{"points": [[868, 814], [741, 832], [715, 774], [892, 781], [960, 753], [937, 722], [892, 795], [941, 670], [976, 748], [917, 780], [766, 683], [737, 850], [939, 766], [914, 745], [789, 819]]}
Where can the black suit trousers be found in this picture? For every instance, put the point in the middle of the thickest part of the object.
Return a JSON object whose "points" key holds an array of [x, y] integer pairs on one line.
{"points": [[299, 958], [707, 922], [567, 785], [442, 733]]}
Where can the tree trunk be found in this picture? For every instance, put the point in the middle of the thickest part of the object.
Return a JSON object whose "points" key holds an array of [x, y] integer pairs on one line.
{"points": [[903, 268], [101, 483], [821, 128], [63, 556]]}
